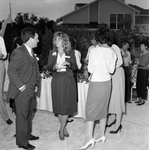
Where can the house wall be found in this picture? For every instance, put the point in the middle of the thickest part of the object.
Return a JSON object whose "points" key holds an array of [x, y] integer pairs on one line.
{"points": [[143, 23], [143, 19], [94, 12], [112, 6], [80, 16]]}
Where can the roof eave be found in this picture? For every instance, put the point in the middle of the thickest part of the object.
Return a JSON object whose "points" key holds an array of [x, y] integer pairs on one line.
{"points": [[76, 10], [129, 6]]}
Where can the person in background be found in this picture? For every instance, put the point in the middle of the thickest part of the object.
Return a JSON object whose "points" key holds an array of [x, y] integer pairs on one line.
{"points": [[78, 61], [143, 74], [77, 53], [17, 42], [94, 43], [126, 65], [117, 100], [62, 63], [3, 109], [135, 52], [23, 72], [101, 64]]}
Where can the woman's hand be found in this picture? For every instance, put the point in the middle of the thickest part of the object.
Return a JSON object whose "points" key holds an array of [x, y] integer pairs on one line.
{"points": [[60, 66], [66, 63]]}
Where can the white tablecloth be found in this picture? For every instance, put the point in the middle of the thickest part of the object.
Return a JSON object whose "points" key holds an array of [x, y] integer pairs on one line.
{"points": [[82, 97], [44, 98]]}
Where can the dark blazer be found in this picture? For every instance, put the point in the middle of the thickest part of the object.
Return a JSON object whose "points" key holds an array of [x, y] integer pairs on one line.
{"points": [[69, 57], [20, 70]]}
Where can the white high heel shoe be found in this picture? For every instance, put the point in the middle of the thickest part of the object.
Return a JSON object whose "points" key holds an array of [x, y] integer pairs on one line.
{"points": [[91, 142], [102, 139]]}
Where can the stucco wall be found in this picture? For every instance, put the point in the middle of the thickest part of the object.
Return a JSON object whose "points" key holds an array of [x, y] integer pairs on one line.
{"points": [[112, 6], [94, 12], [80, 16], [144, 19], [98, 11]]}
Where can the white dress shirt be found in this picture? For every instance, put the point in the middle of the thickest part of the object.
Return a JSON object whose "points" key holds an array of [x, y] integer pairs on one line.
{"points": [[29, 50], [101, 63], [2, 48]]}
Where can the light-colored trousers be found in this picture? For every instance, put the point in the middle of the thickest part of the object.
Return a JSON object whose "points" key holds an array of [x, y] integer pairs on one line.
{"points": [[3, 110]]}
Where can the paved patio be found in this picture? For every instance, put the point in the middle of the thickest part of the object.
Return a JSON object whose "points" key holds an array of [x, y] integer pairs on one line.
{"points": [[134, 134]]}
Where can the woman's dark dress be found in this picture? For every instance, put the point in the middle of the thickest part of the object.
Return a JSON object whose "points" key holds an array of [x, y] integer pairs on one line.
{"points": [[64, 94]]}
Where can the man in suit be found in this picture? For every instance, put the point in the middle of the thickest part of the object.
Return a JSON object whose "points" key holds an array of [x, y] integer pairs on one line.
{"points": [[24, 75]]}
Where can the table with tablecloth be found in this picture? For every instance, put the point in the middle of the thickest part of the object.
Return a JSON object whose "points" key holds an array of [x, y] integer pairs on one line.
{"points": [[44, 97]]}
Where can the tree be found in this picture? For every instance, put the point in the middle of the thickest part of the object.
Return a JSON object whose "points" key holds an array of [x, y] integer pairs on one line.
{"points": [[46, 46]]}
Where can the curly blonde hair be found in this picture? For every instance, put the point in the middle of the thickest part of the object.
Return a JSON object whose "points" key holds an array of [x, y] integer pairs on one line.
{"points": [[65, 41]]}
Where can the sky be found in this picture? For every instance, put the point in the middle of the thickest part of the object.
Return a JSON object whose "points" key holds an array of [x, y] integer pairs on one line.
{"points": [[51, 9]]}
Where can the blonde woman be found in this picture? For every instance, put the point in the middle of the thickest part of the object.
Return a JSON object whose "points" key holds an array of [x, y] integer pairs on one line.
{"points": [[62, 63]]}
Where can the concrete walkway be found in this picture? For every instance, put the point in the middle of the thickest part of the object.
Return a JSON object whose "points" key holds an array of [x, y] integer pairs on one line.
{"points": [[134, 134]]}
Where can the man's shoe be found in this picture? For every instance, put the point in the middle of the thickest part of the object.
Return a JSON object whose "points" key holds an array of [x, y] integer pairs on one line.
{"points": [[28, 147], [129, 102], [34, 138]]}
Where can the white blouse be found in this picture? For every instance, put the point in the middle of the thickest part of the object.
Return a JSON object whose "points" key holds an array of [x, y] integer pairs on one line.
{"points": [[78, 58], [89, 49], [60, 60], [2, 47], [102, 63]]}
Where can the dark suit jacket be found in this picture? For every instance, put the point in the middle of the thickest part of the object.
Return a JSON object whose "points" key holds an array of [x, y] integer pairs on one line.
{"points": [[19, 70], [69, 57]]}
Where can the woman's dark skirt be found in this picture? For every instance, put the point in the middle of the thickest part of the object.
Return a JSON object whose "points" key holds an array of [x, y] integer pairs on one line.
{"points": [[64, 96], [142, 83]]}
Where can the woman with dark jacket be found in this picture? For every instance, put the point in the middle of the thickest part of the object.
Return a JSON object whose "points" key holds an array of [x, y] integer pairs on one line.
{"points": [[62, 63]]}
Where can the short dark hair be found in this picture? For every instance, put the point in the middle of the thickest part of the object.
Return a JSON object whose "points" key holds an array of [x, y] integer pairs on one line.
{"points": [[124, 42], [145, 42], [93, 37], [27, 33], [103, 35]]}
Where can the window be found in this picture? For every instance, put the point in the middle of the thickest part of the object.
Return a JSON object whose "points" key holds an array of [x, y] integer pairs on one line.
{"points": [[128, 20], [120, 21], [112, 21]]}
